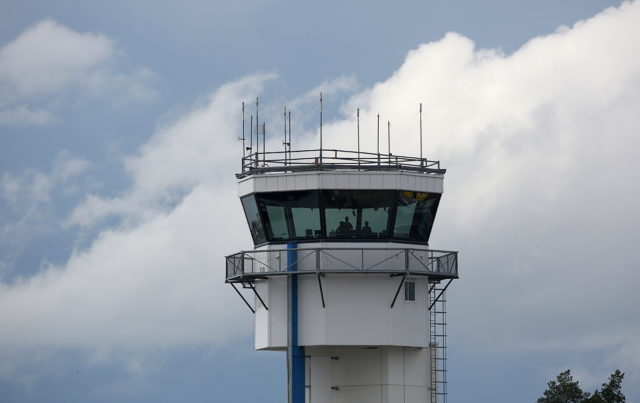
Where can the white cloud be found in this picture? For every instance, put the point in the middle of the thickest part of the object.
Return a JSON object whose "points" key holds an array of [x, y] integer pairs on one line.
{"points": [[49, 56], [49, 60]]}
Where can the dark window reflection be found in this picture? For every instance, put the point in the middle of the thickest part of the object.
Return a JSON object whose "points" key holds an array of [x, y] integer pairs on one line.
{"points": [[415, 214], [358, 213], [253, 218], [290, 215], [346, 214]]}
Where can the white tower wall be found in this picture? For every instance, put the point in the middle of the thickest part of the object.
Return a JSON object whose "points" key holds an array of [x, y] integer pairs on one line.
{"points": [[365, 374], [357, 312], [340, 180]]}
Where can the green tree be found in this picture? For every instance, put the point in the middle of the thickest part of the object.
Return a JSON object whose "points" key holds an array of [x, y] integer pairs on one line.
{"points": [[611, 392], [565, 390]]}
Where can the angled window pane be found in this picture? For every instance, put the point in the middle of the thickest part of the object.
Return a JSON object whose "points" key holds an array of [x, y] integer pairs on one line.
{"points": [[415, 215], [253, 219], [290, 215]]}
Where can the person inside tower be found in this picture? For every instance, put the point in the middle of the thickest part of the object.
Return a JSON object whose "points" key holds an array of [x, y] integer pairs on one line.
{"points": [[366, 229], [345, 226]]}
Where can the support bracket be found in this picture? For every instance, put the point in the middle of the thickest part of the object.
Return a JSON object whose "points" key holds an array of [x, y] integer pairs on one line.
{"points": [[439, 295], [243, 298], [404, 276], [258, 295]]}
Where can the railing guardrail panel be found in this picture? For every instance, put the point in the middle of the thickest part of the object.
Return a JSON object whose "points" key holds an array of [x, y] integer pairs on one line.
{"points": [[348, 260], [279, 161]]}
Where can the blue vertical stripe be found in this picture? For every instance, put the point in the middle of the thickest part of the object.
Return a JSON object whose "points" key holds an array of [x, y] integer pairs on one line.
{"points": [[297, 352]]}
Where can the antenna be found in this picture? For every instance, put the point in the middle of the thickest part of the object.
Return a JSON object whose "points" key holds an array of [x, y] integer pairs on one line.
{"points": [[421, 162], [358, 114], [378, 139], [243, 139], [251, 138], [264, 143], [389, 139], [284, 143], [257, 135], [321, 128], [289, 136]]}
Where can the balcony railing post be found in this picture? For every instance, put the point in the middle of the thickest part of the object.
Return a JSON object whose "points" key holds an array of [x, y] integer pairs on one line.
{"points": [[242, 263], [406, 260], [455, 264], [317, 260]]}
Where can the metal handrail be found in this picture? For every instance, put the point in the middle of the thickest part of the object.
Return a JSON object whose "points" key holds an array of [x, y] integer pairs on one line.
{"points": [[300, 160], [248, 265]]}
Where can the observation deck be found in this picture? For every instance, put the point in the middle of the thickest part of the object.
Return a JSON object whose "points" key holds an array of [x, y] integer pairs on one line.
{"points": [[250, 265]]}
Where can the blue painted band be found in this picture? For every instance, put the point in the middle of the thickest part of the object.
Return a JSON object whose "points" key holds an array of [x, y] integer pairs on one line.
{"points": [[297, 352]]}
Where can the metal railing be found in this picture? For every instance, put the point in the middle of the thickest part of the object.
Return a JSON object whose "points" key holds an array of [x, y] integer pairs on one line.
{"points": [[248, 265], [306, 160]]}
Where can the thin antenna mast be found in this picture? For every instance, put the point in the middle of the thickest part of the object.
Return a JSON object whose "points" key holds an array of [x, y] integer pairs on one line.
{"points": [[257, 136], [289, 136], [389, 139], [243, 139], [321, 128], [378, 141], [421, 164], [358, 114], [285, 136], [264, 143], [251, 135]]}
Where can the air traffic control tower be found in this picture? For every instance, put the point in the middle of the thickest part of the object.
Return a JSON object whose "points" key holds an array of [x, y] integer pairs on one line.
{"points": [[342, 277]]}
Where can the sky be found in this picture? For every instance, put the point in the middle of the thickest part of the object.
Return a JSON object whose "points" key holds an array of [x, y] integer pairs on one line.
{"points": [[119, 126]]}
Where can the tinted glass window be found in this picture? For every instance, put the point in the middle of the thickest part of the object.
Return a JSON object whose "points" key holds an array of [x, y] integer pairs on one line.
{"points": [[347, 214], [290, 215], [415, 215], [253, 218], [358, 213]]}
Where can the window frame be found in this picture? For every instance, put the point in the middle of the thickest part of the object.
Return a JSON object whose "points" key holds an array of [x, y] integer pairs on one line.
{"points": [[410, 292]]}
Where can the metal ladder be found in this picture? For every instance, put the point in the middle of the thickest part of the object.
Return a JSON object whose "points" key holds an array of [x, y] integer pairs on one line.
{"points": [[438, 343]]}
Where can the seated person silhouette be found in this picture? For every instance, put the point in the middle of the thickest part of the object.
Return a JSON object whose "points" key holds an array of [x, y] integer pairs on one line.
{"points": [[366, 229]]}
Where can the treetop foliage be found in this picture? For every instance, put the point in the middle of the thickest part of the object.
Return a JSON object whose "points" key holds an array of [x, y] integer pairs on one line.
{"points": [[565, 390]]}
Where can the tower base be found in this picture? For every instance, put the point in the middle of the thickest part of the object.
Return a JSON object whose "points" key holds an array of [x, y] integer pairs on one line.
{"points": [[367, 374]]}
